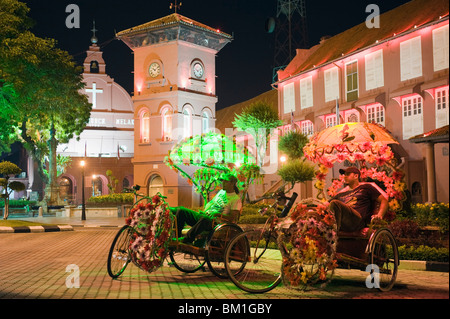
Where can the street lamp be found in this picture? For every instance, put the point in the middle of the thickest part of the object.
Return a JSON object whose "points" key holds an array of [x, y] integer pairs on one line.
{"points": [[83, 202]]}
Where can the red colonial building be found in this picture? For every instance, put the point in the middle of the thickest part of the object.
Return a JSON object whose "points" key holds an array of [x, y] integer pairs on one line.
{"points": [[395, 75]]}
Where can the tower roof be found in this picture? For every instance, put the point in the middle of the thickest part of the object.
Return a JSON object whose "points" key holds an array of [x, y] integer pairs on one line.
{"points": [[170, 20], [174, 27]]}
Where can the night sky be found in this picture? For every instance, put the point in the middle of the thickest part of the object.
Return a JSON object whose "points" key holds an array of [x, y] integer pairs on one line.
{"points": [[243, 67]]}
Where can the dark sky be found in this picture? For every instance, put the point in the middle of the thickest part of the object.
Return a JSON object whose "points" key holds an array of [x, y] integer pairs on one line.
{"points": [[243, 67]]}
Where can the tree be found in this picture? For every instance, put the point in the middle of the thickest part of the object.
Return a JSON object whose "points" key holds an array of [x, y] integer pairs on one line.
{"points": [[47, 83], [8, 169], [258, 119], [297, 169]]}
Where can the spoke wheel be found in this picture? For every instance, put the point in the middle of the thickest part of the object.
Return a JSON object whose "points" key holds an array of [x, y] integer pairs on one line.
{"points": [[186, 262], [119, 254], [216, 247], [384, 259], [254, 261]]}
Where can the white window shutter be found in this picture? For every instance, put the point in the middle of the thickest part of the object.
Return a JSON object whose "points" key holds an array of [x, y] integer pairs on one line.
{"points": [[306, 93], [331, 84], [416, 60], [289, 98], [411, 58], [440, 48], [374, 70]]}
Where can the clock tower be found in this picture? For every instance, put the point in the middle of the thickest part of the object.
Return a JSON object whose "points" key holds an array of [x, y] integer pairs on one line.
{"points": [[174, 96]]}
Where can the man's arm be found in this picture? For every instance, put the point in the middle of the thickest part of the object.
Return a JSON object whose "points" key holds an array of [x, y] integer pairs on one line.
{"points": [[383, 207]]}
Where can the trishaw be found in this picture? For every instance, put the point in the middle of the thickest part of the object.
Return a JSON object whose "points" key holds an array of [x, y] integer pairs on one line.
{"points": [[304, 243], [150, 233], [298, 245]]}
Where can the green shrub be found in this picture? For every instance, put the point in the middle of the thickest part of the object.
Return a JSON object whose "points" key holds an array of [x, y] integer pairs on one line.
{"points": [[423, 253], [18, 203], [112, 199], [435, 214]]}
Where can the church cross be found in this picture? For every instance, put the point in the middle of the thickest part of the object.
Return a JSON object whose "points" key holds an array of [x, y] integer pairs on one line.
{"points": [[94, 92]]}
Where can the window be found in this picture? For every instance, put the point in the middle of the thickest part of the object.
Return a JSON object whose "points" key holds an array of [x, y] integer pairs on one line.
{"points": [[410, 59], [440, 48], [306, 92], [331, 84], [412, 116], [187, 122], [351, 71], [205, 122], [145, 127], [289, 98], [166, 124], [307, 128], [375, 114], [330, 120], [374, 70], [441, 99], [156, 185]]}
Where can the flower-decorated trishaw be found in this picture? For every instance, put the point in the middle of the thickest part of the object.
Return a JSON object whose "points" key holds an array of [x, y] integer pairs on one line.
{"points": [[150, 234], [305, 244]]}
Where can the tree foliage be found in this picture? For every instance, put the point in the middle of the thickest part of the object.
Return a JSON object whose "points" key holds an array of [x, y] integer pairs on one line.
{"points": [[258, 119], [8, 169], [292, 144], [39, 89]]}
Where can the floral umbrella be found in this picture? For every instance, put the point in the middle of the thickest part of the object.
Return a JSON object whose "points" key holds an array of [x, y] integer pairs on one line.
{"points": [[362, 143]]}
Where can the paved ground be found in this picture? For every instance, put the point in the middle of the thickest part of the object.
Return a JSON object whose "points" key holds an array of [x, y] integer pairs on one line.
{"points": [[39, 266]]}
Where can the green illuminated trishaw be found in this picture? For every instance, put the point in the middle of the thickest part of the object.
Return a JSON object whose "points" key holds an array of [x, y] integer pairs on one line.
{"points": [[150, 234]]}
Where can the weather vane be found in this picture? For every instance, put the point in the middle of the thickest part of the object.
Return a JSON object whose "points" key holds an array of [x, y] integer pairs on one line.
{"points": [[175, 5]]}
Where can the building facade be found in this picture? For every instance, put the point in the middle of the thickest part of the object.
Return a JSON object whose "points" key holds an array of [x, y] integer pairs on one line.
{"points": [[396, 75], [107, 143], [174, 97]]}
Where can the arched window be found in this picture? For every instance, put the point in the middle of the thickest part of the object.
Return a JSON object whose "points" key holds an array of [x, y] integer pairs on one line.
{"points": [[166, 115], [65, 188], [145, 127], [187, 122], [205, 122], [156, 185]]}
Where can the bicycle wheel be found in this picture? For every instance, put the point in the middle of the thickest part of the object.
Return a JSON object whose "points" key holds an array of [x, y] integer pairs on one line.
{"points": [[119, 254], [186, 262], [257, 252], [384, 255], [216, 247]]}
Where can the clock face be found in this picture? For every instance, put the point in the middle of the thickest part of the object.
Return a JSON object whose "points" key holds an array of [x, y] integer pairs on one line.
{"points": [[198, 70], [154, 70]]}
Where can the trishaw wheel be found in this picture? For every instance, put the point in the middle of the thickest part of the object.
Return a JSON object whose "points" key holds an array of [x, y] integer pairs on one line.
{"points": [[119, 253], [253, 261], [384, 259], [185, 262], [216, 247]]}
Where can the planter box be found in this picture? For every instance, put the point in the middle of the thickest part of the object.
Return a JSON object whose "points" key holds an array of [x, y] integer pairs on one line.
{"points": [[75, 211]]}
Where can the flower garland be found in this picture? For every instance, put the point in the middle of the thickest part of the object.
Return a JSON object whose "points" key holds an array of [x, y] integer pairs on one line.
{"points": [[312, 236], [153, 224]]}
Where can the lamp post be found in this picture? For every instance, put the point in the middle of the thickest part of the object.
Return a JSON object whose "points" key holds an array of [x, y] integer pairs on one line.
{"points": [[83, 202]]}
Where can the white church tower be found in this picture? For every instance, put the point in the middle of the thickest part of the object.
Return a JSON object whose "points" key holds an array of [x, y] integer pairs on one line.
{"points": [[107, 143]]}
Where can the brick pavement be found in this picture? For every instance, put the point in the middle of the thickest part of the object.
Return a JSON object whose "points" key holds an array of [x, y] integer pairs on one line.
{"points": [[34, 266]]}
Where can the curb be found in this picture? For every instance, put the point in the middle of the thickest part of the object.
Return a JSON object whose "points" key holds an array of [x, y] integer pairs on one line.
{"points": [[35, 229]]}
